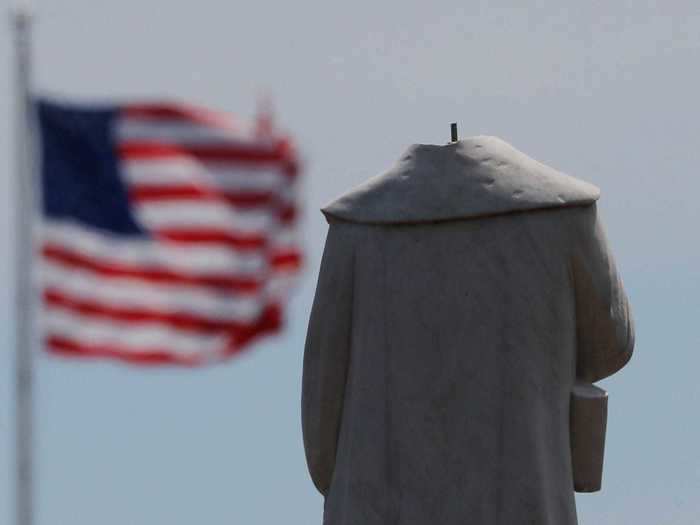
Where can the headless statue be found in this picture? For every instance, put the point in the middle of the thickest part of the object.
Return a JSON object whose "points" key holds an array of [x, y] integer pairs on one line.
{"points": [[467, 300]]}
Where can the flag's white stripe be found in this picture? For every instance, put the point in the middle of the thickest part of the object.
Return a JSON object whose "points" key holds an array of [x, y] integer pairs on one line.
{"points": [[166, 299], [287, 195], [166, 172], [203, 214], [279, 286], [202, 259], [129, 336], [177, 131], [284, 236]]}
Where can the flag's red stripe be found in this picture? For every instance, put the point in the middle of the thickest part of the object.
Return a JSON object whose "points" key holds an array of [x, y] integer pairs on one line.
{"points": [[269, 322], [185, 322], [221, 283], [153, 193], [286, 260], [144, 193], [237, 241], [69, 348], [177, 112], [135, 150], [291, 168], [288, 214]]}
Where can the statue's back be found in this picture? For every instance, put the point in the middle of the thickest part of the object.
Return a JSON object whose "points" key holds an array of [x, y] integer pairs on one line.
{"points": [[440, 361]]}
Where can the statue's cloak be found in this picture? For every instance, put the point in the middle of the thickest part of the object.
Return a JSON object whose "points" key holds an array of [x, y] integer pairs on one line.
{"points": [[460, 296]]}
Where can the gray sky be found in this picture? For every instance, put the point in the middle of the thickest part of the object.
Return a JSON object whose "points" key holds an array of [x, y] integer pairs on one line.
{"points": [[605, 91]]}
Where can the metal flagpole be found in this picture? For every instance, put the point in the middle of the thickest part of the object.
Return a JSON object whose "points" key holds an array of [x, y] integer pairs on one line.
{"points": [[24, 246]]}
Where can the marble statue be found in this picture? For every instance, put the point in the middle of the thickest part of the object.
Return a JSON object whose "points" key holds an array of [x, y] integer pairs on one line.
{"points": [[463, 296]]}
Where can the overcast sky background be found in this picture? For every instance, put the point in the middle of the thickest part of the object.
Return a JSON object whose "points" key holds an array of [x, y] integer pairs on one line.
{"points": [[605, 91]]}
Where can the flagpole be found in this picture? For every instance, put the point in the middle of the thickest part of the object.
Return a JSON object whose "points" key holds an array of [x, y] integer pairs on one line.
{"points": [[24, 246]]}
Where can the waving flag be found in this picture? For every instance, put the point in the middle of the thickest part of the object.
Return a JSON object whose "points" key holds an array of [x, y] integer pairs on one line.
{"points": [[168, 232]]}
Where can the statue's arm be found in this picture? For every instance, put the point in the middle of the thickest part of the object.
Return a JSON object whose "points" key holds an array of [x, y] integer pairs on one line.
{"points": [[604, 326], [326, 356]]}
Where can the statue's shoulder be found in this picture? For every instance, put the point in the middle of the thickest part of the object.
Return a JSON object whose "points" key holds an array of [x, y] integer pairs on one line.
{"points": [[479, 176]]}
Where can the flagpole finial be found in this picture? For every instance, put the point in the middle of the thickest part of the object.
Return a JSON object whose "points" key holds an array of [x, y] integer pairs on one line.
{"points": [[21, 17], [21, 13]]}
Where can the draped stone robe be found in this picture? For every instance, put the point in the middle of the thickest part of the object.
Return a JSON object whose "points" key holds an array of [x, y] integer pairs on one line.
{"points": [[460, 296]]}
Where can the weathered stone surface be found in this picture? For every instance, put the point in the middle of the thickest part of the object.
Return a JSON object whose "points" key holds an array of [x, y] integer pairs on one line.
{"points": [[460, 297], [471, 178]]}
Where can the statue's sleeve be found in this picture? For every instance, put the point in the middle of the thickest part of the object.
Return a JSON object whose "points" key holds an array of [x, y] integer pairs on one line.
{"points": [[326, 356], [604, 326]]}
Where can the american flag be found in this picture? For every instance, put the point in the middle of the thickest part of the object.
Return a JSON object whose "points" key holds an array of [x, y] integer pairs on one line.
{"points": [[168, 232]]}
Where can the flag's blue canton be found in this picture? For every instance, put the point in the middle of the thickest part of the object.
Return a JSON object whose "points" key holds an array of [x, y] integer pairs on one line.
{"points": [[80, 170]]}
